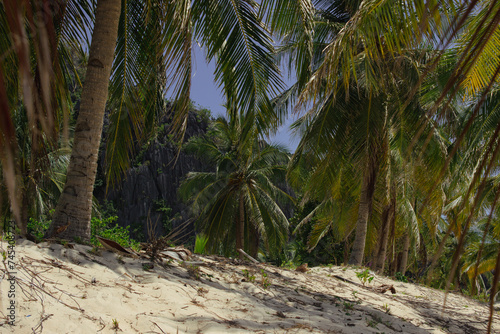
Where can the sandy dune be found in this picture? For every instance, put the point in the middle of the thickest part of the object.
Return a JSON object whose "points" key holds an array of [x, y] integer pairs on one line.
{"points": [[64, 290]]}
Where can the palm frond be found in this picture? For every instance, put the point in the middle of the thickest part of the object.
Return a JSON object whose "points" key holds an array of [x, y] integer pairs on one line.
{"points": [[235, 37]]}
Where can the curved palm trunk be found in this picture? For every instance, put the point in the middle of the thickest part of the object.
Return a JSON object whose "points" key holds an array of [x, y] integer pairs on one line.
{"points": [[73, 211], [365, 204]]}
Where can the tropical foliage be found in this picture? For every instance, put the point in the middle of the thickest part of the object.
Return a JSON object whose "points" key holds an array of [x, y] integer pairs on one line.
{"points": [[398, 158]]}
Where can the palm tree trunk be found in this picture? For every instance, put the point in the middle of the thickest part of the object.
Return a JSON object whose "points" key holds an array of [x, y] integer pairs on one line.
{"points": [[365, 204], [73, 211], [422, 256], [388, 216], [240, 227], [404, 257], [253, 240], [23, 226], [346, 251]]}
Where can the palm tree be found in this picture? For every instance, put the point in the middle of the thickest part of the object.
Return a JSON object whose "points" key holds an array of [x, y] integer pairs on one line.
{"points": [[74, 209], [160, 32], [237, 203], [360, 126]]}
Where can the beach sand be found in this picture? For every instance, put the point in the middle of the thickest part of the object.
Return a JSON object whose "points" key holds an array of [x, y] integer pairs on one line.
{"points": [[70, 290]]}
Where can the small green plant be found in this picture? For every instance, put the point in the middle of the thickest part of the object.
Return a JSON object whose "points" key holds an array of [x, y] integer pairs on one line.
{"points": [[348, 306], [376, 319], [365, 276], [289, 265], [248, 276], [265, 282], [78, 240], [200, 244], [372, 323], [147, 266], [387, 308], [115, 325], [400, 277]]}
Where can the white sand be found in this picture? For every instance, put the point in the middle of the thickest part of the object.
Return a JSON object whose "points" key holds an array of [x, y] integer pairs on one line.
{"points": [[65, 290]]}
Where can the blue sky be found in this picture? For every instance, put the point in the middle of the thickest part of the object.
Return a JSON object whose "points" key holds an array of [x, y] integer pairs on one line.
{"points": [[206, 94]]}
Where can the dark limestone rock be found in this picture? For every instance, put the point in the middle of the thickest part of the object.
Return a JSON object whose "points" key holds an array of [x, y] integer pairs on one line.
{"points": [[147, 195]]}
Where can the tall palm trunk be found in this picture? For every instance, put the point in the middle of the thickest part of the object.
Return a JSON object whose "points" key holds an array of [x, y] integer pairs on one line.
{"points": [[404, 257], [24, 212], [365, 204], [346, 251], [73, 211], [240, 227], [422, 256], [253, 240], [388, 217]]}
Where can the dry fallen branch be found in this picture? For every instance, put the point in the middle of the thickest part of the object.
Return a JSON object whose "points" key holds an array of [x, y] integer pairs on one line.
{"points": [[40, 323], [384, 288], [154, 323], [116, 248], [248, 256]]}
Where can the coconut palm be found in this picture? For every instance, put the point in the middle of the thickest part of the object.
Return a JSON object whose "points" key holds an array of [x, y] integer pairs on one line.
{"points": [[73, 212], [237, 204], [364, 126]]}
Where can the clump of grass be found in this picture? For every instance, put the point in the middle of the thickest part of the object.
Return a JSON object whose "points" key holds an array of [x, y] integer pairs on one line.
{"points": [[147, 266], [201, 291], [115, 325], [248, 276], [348, 306], [194, 272], [265, 282]]}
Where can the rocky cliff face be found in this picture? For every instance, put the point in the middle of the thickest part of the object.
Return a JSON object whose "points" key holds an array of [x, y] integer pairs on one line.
{"points": [[147, 196]]}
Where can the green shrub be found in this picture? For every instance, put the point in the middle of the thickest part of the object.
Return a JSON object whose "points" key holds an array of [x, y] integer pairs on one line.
{"points": [[37, 228], [400, 277], [105, 229]]}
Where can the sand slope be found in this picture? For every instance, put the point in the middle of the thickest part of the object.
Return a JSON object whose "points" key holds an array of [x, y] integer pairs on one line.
{"points": [[63, 290]]}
